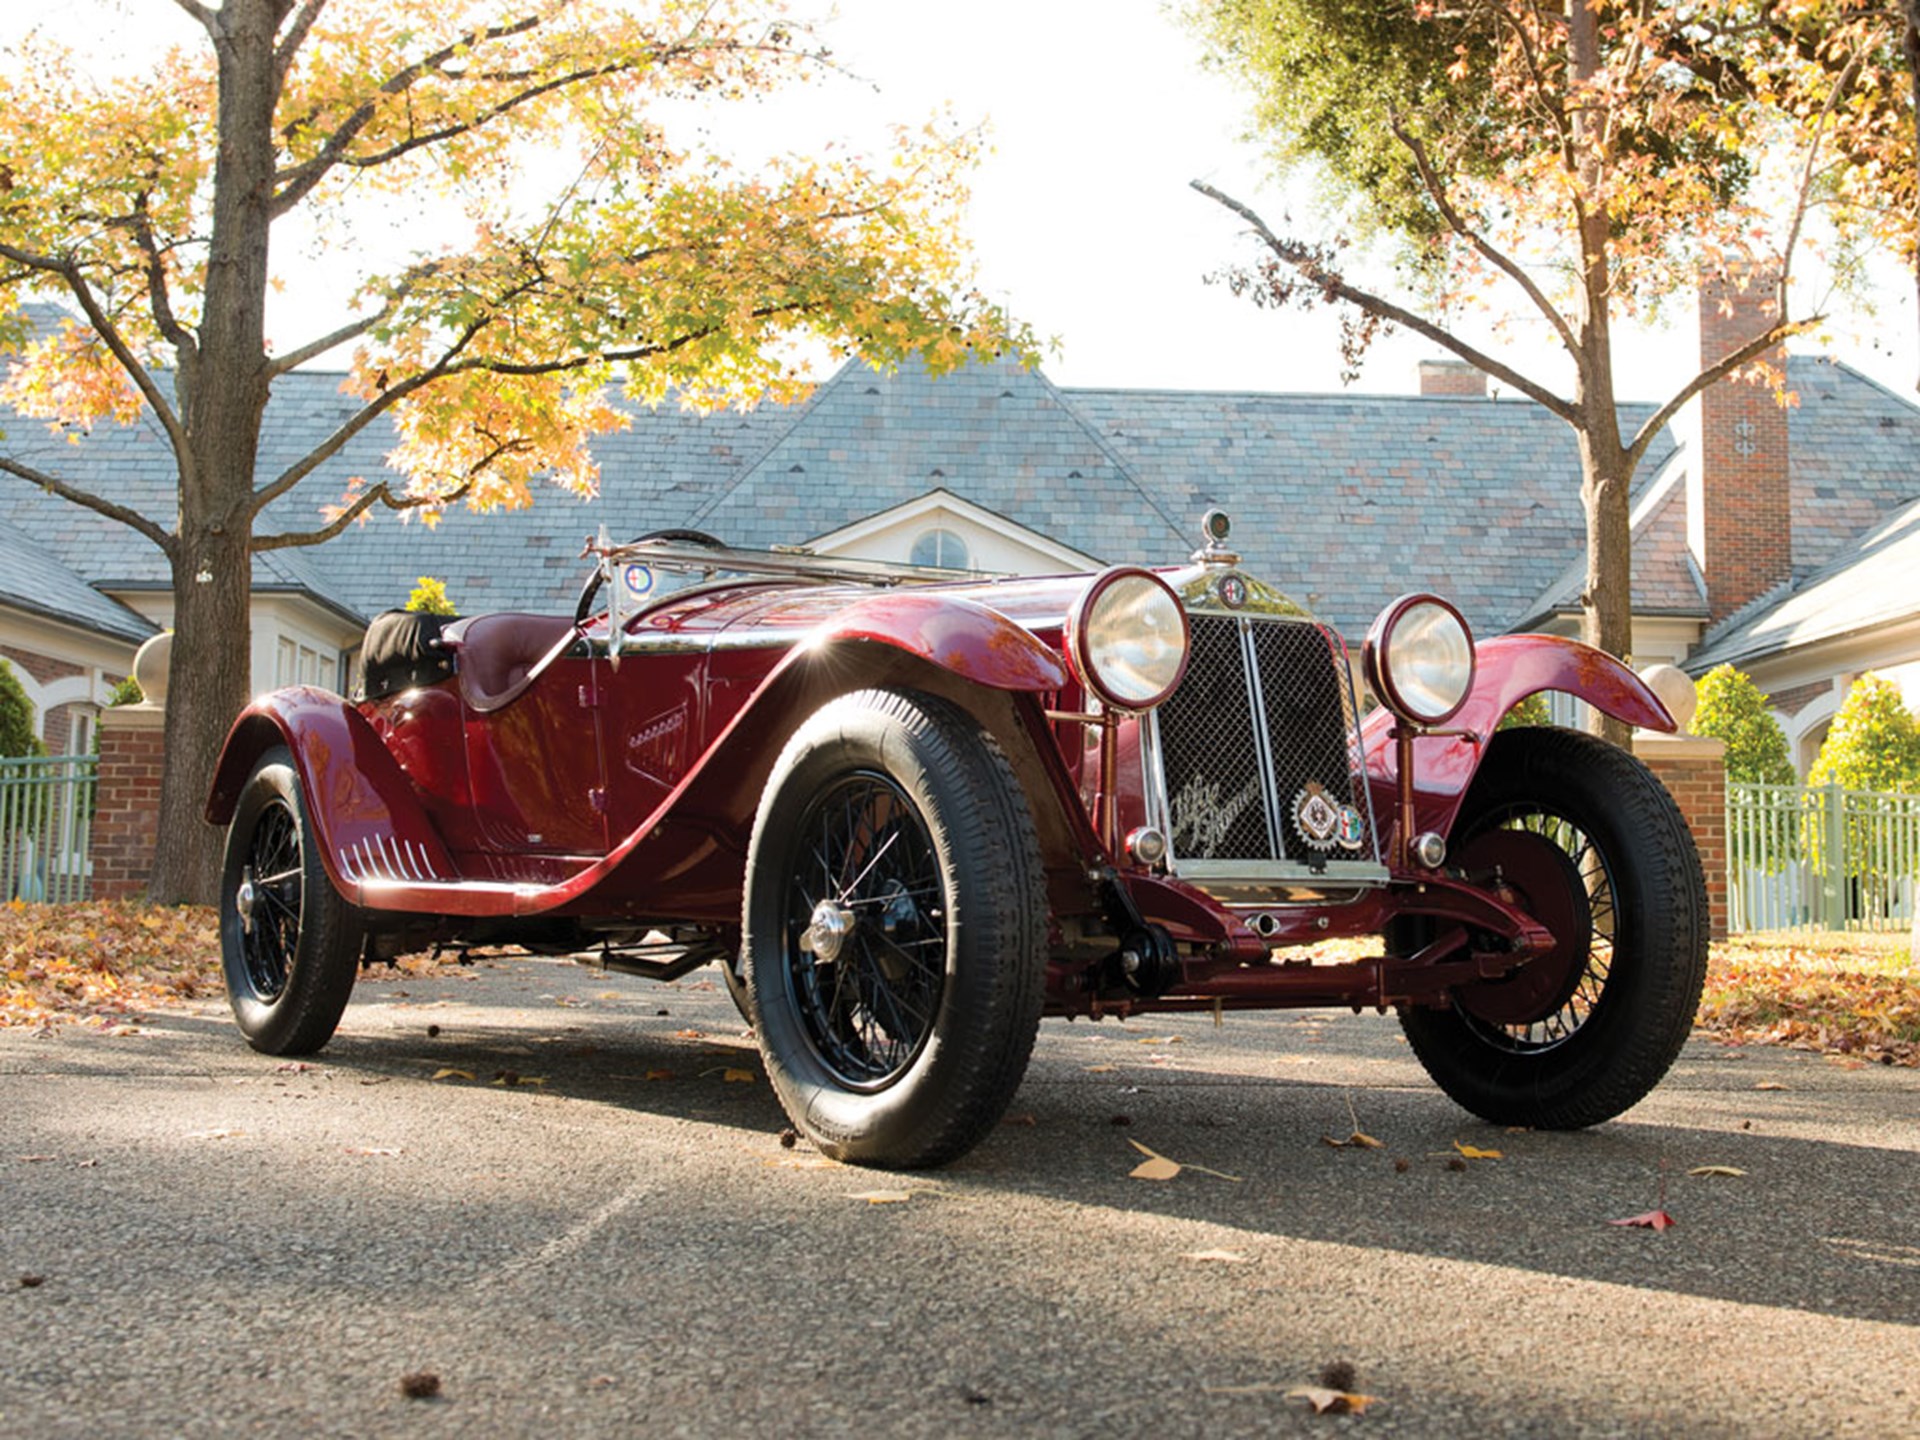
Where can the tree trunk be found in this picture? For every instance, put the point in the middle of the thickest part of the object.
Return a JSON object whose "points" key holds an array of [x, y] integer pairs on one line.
{"points": [[1910, 43], [223, 383], [1606, 476]]}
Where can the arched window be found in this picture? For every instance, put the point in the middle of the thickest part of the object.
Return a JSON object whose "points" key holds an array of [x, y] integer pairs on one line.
{"points": [[942, 548]]}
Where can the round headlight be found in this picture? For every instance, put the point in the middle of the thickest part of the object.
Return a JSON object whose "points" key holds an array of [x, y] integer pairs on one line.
{"points": [[1419, 659], [1127, 639]]}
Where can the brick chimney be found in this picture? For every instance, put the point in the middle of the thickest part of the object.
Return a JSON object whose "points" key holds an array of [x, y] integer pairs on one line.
{"points": [[1451, 377], [1739, 491]]}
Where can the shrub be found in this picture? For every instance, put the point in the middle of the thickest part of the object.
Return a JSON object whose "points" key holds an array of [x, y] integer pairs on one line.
{"points": [[429, 597], [1874, 743], [1531, 711], [16, 717], [1733, 709]]}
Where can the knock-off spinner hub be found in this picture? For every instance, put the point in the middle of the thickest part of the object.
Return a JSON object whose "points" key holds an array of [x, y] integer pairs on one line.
{"points": [[827, 931]]}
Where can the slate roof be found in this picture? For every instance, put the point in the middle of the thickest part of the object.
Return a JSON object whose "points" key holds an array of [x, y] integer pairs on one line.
{"points": [[34, 582], [1342, 500], [1347, 500], [1871, 583]]}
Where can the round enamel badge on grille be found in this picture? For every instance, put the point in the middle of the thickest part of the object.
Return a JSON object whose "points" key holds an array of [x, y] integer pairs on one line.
{"points": [[1315, 816], [1233, 591]]}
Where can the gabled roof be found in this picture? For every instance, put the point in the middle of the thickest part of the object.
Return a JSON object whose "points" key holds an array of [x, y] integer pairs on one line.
{"points": [[1855, 455], [1872, 583], [998, 434]]}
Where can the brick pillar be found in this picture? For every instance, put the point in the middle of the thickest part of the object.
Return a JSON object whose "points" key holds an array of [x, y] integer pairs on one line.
{"points": [[126, 811], [1694, 770]]}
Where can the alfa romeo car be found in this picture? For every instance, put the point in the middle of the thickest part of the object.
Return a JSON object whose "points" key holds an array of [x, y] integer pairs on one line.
{"points": [[911, 813]]}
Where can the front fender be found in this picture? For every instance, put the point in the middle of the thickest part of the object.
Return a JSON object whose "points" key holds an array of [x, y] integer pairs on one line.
{"points": [[1508, 669], [369, 823], [969, 639]]}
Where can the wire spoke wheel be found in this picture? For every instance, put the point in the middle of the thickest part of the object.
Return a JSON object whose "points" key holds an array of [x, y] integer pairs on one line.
{"points": [[894, 929], [867, 994], [1594, 849], [270, 899], [1564, 880], [289, 943]]}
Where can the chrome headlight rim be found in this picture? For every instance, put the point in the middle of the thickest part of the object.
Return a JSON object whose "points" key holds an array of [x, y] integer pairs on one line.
{"points": [[1083, 639], [1377, 659]]}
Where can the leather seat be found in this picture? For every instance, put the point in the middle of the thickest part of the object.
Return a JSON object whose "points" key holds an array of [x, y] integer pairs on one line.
{"points": [[501, 655]]}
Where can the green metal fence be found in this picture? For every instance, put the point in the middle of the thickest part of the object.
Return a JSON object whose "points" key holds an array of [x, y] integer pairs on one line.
{"points": [[46, 815], [1821, 858]]}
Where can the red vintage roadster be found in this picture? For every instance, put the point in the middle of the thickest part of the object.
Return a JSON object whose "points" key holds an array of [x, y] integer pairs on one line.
{"points": [[910, 815]]}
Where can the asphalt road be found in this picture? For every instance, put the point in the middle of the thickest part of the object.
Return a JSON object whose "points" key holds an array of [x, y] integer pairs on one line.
{"points": [[619, 1244]]}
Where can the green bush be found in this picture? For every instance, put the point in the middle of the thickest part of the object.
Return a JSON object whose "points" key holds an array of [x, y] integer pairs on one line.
{"points": [[429, 597], [1874, 743], [1733, 709], [16, 717], [1531, 711]]}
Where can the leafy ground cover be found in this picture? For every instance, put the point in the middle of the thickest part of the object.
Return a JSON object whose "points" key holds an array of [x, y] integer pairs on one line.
{"points": [[105, 963], [1849, 995]]}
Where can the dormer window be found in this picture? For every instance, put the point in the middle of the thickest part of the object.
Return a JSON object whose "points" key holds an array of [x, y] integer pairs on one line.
{"points": [[941, 548]]}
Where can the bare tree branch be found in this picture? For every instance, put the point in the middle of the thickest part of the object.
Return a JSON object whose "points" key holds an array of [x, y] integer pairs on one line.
{"points": [[69, 271], [1334, 287], [381, 494], [1437, 191], [296, 36], [295, 184], [313, 349], [199, 12], [1713, 374], [98, 504]]}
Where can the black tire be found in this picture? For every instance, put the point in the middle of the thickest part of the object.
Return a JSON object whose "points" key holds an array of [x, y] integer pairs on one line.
{"points": [[900, 1041], [1601, 854], [290, 946]]}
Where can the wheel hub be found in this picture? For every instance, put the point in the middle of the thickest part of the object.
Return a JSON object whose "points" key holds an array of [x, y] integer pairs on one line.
{"points": [[827, 931], [1550, 889], [244, 900]]}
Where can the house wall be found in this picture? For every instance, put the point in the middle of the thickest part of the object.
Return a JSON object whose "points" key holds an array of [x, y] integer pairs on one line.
{"points": [[294, 640], [67, 674]]}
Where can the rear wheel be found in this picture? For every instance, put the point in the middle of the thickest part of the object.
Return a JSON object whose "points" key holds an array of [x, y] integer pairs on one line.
{"points": [[1599, 853], [290, 946], [895, 930]]}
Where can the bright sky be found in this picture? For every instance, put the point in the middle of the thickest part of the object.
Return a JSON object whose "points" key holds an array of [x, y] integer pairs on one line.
{"points": [[1083, 221]]}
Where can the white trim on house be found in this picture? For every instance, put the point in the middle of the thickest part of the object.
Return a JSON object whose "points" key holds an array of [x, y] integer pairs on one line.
{"points": [[993, 541]]}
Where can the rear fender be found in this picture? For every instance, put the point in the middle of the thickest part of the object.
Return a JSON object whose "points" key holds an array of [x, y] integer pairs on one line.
{"points": [[370, 824], [1508, 669]]}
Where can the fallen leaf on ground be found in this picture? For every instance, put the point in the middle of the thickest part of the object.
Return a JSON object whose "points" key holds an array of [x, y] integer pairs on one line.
{"points": [[1716, 1170], [34, 1159], [883, 1197], [1219, 1257], [388, 1150], [1331, 1402], [1100, 1069], [1158, 1167], [1474, 1152], [739, 1077], [1026, 1119], [1160, 1040], [1769, 1085], [1651, 1220], [451, 1074], [215, 1134], [659, 1074], [1357, 1140]]}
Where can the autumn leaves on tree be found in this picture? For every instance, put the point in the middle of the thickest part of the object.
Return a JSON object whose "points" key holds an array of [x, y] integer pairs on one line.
{"points": [[601, 255], [1580, 164]]}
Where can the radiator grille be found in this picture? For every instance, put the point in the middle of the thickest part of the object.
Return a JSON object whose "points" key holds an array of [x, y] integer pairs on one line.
{"points": [[1263, 722]]}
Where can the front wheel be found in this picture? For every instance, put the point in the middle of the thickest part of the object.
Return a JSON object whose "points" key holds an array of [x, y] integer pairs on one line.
{"points": [[895, 930], [289, 945], [1599, 853]]}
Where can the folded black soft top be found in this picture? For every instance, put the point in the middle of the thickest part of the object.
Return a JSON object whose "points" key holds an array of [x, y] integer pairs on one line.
{"points": [[401, 652]]}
